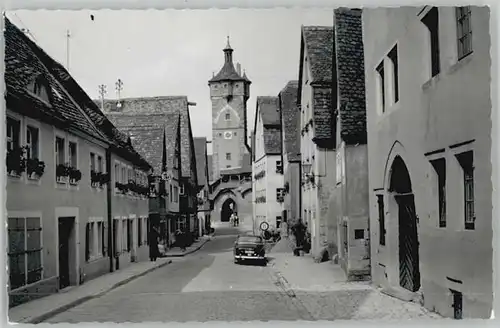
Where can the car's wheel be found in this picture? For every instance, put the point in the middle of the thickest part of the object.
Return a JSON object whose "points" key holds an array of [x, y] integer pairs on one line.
{"points": [[236, 261], [263, 262]]}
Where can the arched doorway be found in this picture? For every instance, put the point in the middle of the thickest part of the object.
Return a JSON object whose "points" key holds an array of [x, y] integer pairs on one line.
{"points": [[228, 208], [401, 188]]}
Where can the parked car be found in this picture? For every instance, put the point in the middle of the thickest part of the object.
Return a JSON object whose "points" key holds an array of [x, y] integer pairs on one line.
{"points": [[249, 248]]}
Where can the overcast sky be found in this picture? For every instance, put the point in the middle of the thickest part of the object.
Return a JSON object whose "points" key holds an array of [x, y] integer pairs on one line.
{"points": [[173, 52]]}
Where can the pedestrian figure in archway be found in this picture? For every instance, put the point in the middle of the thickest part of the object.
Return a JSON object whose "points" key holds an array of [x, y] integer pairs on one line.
{"points": [[236, 219]]}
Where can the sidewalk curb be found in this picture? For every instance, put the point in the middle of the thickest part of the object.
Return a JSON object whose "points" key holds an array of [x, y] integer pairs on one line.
{"points": [[189, 252], [75, 303]]}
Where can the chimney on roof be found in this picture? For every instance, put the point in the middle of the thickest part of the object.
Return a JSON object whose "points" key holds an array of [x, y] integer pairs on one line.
{"points": [[238, 68]]}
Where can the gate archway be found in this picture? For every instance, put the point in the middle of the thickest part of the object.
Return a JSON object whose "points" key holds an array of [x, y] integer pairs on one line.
{"points": [[228, 208], [401, 188]]}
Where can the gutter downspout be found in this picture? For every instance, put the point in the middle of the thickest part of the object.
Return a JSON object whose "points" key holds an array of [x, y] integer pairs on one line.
{"points": [[110, 213], [300, 188]]}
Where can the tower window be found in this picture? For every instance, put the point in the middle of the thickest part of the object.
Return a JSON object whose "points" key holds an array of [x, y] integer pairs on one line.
{"points": [[228, 156], [228, 116]]}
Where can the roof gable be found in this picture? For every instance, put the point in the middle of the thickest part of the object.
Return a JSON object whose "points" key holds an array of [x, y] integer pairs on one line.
{"points": [[268, 108], [318, 47], [25, 62], [161, 108]]}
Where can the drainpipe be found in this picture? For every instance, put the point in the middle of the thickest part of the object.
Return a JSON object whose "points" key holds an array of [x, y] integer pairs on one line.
{"points": [[300, 187], [110, 213]]}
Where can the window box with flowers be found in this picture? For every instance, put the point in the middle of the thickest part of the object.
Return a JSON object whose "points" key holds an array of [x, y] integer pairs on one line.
{"points": [[75, 175], [261, 199], [35, 168], [62, 173], [143, 191], [103, 179], [260, 175], [121, 188], [16, 162], [98, 179], [131, 188]]}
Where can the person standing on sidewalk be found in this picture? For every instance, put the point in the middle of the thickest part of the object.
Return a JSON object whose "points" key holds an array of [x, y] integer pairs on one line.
{"points": [[153, 246]]}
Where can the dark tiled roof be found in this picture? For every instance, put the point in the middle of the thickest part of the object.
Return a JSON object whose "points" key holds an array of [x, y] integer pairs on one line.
{"points": [[319, 46], [160, 106], [228, 72], [350, 75], [147, 133], [268, 107], [272, 141], [323, 113], [117, 140], [200, 149], [291, 120], [23, 64]]}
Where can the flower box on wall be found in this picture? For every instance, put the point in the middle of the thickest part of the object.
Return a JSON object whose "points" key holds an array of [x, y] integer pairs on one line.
{"points": [[62, 173], [35, 168], [16, 162], [75, 175]]}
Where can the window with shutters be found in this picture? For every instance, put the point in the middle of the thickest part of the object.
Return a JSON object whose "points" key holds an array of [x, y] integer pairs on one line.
{"points": [[24, 251]]}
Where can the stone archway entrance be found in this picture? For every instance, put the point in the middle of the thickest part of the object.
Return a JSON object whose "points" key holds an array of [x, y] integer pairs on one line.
{"points": [[401, 188], [228, 208]]}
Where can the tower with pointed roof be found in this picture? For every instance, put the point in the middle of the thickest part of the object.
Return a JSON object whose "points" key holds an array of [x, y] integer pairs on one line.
{"points": [[229, 92]]}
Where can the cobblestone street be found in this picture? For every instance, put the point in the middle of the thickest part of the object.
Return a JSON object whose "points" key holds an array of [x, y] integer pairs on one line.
{"points": [[212, 287]]}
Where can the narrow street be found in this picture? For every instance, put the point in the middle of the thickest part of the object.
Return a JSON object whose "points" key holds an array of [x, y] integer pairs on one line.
{"points": [[204, 286], [207, 285]]}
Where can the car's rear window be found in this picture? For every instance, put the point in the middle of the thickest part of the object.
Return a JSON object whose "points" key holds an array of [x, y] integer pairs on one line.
{"points": [[249, 239]]}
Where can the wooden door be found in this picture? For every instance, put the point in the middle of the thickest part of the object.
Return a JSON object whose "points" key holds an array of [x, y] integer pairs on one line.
{"points": [[409, 272]]}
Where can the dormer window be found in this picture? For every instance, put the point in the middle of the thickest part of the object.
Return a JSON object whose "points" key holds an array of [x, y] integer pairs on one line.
{"points": [[39, 88]]}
